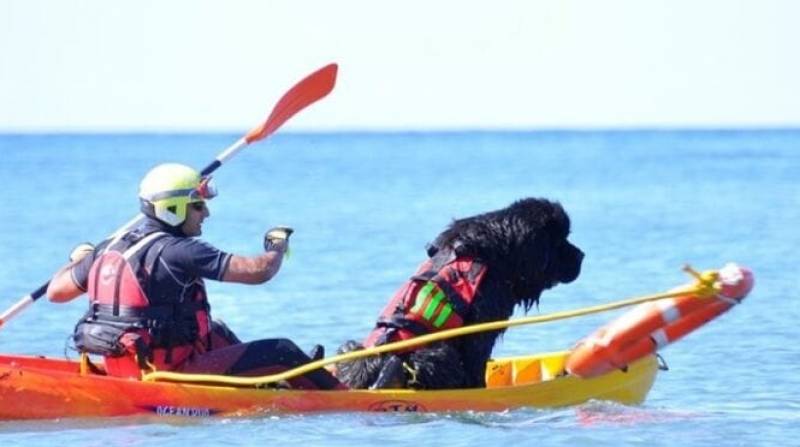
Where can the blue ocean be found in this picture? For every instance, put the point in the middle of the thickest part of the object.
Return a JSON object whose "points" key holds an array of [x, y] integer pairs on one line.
{"points": [[642, 204]]}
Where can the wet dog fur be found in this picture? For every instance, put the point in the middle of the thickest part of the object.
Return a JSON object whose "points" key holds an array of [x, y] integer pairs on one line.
{"points": [[526, 251]]}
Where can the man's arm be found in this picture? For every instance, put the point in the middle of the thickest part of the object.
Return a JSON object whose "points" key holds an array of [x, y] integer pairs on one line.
{"points": [[255, 270], [62, 287], [261, 268]]}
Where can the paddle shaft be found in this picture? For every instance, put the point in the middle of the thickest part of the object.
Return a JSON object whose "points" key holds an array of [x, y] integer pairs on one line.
{"points": [[309, 90], [27, 300]]}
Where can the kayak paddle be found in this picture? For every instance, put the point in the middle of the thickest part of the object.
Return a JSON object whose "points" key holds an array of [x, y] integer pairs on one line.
{"points": [[309, 90]]}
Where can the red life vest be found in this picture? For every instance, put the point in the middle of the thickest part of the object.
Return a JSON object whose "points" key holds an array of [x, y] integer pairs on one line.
{"points": [[124, 325], [436, 298]]}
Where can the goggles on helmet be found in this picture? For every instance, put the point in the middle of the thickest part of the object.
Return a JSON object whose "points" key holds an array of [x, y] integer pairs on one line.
{"points": [[206, 190]]}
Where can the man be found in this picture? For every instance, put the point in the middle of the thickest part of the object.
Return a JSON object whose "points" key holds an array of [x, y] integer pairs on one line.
{"points": [[148, 303]]}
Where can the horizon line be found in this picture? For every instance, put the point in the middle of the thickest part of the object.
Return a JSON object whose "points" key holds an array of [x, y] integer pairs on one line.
{"points": [[397, 131]]}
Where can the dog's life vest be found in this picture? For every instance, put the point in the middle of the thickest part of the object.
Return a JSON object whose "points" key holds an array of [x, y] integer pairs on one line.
{"points": [[122, 319], [436, 298]]}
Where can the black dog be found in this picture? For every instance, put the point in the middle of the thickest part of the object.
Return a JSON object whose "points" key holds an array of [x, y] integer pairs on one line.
{"points": [[479, 270]]}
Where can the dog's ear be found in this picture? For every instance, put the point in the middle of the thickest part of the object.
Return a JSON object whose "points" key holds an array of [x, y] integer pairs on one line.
{"points": [[545, 255], [537, 257]]}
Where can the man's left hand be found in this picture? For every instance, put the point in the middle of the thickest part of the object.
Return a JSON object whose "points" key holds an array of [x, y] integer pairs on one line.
{"points": [[81, 251]]}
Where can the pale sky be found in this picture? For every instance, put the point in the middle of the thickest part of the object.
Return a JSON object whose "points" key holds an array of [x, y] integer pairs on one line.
{"points": [[193, 65]]}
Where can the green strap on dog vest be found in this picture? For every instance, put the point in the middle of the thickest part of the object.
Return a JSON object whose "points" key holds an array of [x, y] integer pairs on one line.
{"points": [[430, 288]]}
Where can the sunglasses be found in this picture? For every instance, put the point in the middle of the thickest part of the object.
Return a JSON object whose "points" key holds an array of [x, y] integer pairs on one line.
{"points": [[198, 206]]}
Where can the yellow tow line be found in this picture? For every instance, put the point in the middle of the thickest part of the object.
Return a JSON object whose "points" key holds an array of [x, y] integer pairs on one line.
{"points": [[705, 285]]}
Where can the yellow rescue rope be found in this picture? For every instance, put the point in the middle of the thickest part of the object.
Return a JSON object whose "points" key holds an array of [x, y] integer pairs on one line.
{"points": [[705, 285]]}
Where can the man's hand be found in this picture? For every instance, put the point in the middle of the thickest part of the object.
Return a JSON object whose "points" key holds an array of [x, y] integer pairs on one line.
{"points": [[277, 239], [81, 251]]}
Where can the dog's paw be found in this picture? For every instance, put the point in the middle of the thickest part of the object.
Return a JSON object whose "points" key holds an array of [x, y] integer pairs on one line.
{"points": [[391, 376]]}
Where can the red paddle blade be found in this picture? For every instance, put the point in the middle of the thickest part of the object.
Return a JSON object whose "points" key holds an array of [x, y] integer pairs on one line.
{"points": [[306, 92]]}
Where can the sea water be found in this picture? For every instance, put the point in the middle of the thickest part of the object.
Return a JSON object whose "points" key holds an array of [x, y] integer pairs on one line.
{"points": [[642, 203]]}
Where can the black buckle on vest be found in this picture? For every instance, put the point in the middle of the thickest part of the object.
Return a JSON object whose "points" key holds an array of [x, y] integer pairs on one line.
{"points": [[396, 322]]}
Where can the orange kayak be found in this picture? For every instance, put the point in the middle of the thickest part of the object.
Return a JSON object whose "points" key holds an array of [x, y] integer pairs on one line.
{"points": [[43, 388]]}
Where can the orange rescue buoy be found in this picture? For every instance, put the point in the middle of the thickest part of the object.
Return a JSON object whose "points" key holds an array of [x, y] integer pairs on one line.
{"points": [[651, 326]]}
